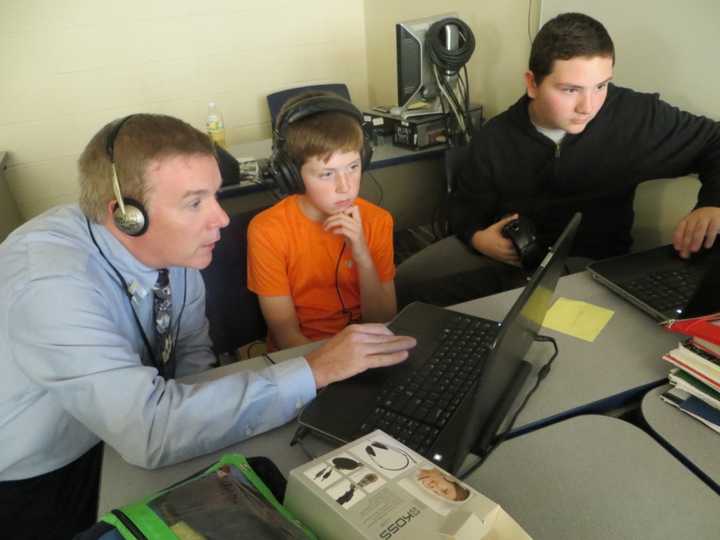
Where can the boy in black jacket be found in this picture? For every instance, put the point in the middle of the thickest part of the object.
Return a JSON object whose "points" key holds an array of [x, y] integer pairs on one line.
{"points": [[575, 142]]}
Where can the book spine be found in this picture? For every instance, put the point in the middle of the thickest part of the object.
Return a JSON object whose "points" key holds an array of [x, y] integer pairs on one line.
{"points": [[707, 347], [694, 389], [684, 378], [696, 356], [709, 414], [694, 371]]}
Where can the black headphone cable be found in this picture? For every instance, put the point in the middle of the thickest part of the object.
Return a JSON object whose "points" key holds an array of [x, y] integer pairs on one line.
{"points": [[126, 289], [344, 308]]}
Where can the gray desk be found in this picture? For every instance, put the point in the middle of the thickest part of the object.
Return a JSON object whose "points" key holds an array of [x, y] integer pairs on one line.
{"points": [[595, 477], [692, 442], [623, 362]]}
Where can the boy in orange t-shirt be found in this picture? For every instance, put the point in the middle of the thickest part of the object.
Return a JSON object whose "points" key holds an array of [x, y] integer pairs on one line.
{"points": [[322, 257]]}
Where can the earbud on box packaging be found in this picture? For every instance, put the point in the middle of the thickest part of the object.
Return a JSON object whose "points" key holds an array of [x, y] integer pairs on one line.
{"points": [[377, 488]]}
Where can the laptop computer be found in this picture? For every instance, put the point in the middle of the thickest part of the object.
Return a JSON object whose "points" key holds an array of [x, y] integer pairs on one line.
{"points": [[454, 391], [662, 284]]}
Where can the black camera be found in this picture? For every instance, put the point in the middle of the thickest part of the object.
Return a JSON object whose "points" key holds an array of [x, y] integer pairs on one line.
{"points": [[521, 232]]}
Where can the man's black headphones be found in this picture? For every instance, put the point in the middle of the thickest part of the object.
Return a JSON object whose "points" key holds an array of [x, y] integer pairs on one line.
{"points": [[282, 168], [129, 215]]}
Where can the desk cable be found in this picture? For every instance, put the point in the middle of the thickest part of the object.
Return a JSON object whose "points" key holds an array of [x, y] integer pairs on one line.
{"points": [[298, 437], [504, 435], [448, 64], [343, 308]]}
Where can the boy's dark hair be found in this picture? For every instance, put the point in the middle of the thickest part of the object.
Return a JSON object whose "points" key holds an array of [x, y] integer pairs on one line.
{"points": [[567, 36], [320, 135]]}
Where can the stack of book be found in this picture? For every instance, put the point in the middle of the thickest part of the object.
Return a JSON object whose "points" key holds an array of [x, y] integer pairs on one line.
{"points": [[695, 379]]}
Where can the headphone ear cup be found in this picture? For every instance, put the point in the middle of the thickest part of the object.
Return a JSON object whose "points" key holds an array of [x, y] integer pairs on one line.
{"points": [[295, 178], [286, 175], [135, 221], [367, 152], [367, 149]]}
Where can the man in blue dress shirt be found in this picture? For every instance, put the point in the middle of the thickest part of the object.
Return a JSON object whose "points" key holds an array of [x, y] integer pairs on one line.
{"points": [[77, 348]]}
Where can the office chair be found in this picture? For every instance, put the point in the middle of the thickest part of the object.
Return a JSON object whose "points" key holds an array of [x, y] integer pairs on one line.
{"points": [[229, 167], [277, 99], [231, 308]]}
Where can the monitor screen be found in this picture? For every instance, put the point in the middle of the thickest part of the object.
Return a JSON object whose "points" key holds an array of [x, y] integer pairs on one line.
{"points": [[415, 80]]}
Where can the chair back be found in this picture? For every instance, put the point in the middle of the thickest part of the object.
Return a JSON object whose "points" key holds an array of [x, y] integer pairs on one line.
{"points": [[232, 309], [276, 100]]}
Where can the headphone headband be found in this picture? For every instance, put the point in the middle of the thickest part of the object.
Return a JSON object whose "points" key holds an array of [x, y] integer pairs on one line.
{"points": [[313, 105], [110, 141]]}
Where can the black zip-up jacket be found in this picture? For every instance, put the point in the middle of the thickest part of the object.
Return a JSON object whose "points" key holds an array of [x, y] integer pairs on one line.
{"points": [[634, 137]]}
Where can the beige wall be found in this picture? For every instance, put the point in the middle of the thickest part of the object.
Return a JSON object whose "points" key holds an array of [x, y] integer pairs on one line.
{"points": [[9, 214], [68, 67], [502, 46]]}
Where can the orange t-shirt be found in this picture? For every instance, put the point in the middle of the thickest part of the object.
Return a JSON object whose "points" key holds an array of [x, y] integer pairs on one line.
{"points": [[291, 255]]}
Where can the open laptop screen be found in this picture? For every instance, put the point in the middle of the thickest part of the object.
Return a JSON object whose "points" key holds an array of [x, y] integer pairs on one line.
{"points": [[505, 370]]}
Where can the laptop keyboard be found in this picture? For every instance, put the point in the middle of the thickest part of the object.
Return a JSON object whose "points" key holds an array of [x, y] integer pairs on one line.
{"points": [[666, 291], [415, 410]]}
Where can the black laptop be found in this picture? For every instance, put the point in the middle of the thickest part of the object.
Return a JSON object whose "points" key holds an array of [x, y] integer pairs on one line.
{"points": [[662, 284], [455, 390]]}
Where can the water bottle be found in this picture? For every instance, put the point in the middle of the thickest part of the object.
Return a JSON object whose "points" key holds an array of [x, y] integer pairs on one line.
{"points": [[215, 124]]}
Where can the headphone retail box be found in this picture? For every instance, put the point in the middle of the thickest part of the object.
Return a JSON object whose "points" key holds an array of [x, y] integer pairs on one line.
{"points": [[377, 488]]}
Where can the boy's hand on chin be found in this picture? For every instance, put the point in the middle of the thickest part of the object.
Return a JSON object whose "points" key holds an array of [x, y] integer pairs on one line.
{"points": [[348, 223]]}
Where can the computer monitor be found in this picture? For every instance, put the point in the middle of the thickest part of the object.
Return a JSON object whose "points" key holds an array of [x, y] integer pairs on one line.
{"points": [[415, 80]]}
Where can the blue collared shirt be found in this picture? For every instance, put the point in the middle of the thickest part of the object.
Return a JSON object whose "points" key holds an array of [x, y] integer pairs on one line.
{"points": [[76, 371]]}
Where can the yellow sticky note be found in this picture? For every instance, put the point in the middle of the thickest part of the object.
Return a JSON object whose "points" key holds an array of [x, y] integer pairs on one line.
{"points": [[576, 318]]}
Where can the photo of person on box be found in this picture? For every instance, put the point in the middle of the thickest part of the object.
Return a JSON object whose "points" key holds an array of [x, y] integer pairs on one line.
{"points": [[442, 485]]}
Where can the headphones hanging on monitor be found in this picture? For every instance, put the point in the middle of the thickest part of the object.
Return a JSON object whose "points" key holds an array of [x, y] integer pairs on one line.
{"points": [[281, 167], [129, 215]]}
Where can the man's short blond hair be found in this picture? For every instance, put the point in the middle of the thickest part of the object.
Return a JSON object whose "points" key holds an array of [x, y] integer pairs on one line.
{"points": [[142, 139]]}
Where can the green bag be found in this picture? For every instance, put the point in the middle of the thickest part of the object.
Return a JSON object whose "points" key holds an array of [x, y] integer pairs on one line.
{"points": [[227, 500]]}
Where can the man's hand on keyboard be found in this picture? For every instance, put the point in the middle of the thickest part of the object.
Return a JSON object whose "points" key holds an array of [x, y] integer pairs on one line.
{"points": [[357, 348]]}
